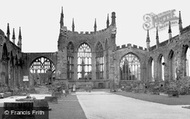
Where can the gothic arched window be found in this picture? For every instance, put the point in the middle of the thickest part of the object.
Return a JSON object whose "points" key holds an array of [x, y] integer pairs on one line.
{"points": [[84, 62], [99, 61], [172, 66], [162, 61], [42, 65], [187, 61], [161, 65], [70, 62], [130, 67], [151, 69]]}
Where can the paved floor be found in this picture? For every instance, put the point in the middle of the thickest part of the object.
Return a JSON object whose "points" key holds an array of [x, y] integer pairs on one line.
{"points": [[105, 105]]}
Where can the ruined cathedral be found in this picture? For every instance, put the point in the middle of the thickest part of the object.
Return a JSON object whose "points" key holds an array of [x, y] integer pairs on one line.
{"points": [[95, 58]]}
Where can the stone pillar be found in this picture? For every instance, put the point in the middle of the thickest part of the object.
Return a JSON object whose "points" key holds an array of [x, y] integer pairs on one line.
{"points": [[61, 72], [167, 69], [11, 77], [112, 77], [9, 73], [143, 69], [75, 67], [16, 77], [180, 65], [19, 77], [93, 67]]}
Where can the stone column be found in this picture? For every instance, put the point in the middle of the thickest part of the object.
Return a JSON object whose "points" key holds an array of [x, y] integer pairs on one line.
{"points": [[112, 77], [180, 65], [61, 72], [75, 67], [93, 67], [167, 69]]}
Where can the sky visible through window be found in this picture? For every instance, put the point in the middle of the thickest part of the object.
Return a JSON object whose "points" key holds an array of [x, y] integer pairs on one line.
{"points": [[39, 19]]}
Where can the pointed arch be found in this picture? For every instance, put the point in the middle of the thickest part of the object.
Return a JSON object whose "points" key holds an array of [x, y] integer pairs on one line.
{"points": [[171, 65], [99, 49], [99, 61], [70, 47], [5, 53], [84, 62], [151, 69], [161, 67], [42, 70], [186, 59], [42, 65], [130, 67], [84, 44]]}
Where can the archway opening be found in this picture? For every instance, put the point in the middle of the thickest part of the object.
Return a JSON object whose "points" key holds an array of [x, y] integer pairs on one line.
{"points": [[161, 66], [187, 61], [151, 69], [172, 67], [130, 67], [42, 71], [99, 61]]}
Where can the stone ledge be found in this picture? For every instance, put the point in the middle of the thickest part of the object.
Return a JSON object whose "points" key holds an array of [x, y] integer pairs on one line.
{"points": [[52, 99]]}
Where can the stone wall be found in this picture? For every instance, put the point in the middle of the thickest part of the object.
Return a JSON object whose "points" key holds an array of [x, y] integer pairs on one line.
{"points": [[105, 37], [11, 64]]}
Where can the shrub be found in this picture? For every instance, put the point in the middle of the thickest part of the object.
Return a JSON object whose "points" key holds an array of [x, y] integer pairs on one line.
{"points": [[184, 86]]}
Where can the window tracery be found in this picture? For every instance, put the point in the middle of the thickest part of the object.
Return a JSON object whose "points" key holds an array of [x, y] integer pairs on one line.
{"points": [[84, 62], [130, 67]]}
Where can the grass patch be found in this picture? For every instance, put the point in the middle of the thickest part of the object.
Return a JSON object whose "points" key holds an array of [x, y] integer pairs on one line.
{"points": [[67, 108], [181, 100]]}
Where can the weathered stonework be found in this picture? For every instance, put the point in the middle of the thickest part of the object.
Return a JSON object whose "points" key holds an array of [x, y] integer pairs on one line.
{"points": [[10, 64], [61, 70], [16, 64]]}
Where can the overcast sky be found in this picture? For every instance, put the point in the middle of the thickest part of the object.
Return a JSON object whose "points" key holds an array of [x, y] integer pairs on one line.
{"points": [[39, 19]]}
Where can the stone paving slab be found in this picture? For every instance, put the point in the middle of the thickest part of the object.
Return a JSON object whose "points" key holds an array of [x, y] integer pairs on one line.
{"points": [[111, 106]]}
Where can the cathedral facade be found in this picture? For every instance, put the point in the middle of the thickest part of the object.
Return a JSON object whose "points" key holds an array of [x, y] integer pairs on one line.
{"points": [[86, 56], [94, 58]]}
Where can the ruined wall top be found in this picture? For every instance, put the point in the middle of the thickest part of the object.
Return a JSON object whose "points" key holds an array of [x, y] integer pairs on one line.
{"points": [[131, 46]]}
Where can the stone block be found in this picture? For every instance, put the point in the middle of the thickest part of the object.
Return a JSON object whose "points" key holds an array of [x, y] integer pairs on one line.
{"points": [[128, 45], [52, 99], [134, 46], [141, 48], [123, 46]]}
